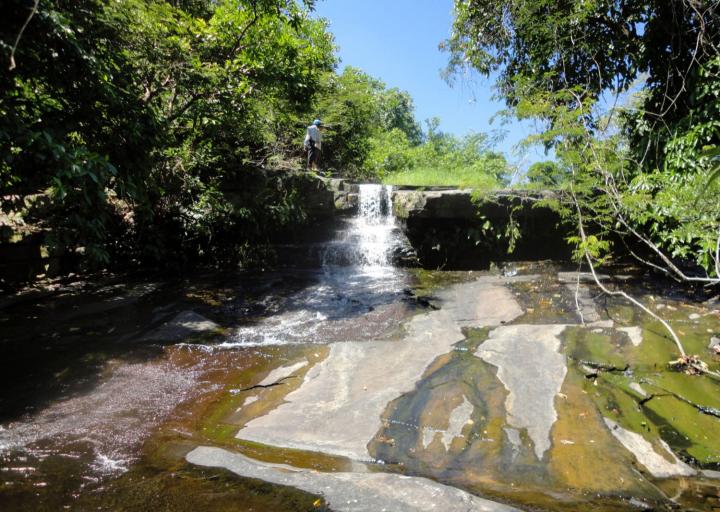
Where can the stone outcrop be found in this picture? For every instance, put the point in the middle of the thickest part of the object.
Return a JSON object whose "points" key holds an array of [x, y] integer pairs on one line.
{"points": [[458, 204], [184, 325], [450, 230], [314, 192], [345, 196], [353, 492], [338, 408]]}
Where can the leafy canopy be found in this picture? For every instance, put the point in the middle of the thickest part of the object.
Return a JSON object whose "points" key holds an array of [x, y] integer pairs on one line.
{"points": [[627, 95]]}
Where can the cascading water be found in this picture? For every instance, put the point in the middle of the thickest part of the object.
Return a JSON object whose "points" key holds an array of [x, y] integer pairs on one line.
{"points": [[98, 432], [371, 235], [357, 283]]}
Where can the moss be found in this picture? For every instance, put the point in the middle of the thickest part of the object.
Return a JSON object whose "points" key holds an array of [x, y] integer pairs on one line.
{"points": [[670, 413], [580, 456]]}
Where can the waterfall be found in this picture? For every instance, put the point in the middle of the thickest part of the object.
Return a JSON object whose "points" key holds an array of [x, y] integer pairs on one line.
{"points": [[357, 290], [369, 238], [376, 203]]}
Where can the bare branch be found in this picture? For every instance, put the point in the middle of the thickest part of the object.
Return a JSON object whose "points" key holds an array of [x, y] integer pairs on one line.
{"points": [[616, 293], [577, 302], [236, 45], [17, 39]]}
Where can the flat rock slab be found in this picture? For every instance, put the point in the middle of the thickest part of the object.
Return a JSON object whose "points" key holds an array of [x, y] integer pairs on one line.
{"points": [[585, 302], [487, 303], [283, 372], [353, 492], [458, 204], [658, 465], [583, 277], [532, 370], [338, 407], [184, 325]]}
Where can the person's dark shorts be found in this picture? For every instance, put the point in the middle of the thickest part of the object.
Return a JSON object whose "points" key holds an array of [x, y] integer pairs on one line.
{"points": [[313, 155]]}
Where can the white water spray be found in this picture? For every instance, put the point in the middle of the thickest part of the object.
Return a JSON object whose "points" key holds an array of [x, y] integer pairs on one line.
{"points": [[357, 278], [369, 240]]}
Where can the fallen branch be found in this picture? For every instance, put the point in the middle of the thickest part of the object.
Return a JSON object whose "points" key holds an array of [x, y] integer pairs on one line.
{"points": [[647, 399], [600, 366], [278, 383], [627, 297], [616, 293], [577, 303], [705, 409]]}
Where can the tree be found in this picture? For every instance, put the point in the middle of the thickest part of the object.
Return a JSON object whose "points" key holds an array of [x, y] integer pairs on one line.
{"points": [[547, 174], [359, 112], [130, 115], [643, 148], [396, 111], [594, 45], [70, 121]]}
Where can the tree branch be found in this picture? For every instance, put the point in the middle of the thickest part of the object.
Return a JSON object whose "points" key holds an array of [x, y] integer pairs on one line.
{"points": [[17, 39], [616, 293], [242, 34], [193, 100]]}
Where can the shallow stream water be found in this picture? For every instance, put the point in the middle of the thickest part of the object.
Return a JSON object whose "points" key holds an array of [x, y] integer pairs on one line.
{"points": [[98, 412], [88, 397]]}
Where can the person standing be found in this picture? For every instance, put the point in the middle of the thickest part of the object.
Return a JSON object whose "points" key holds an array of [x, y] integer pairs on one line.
{"points": [[313, 143]]}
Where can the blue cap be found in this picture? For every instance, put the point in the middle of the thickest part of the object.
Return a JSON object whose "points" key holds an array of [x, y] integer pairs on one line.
{"points": [[317, 122]]}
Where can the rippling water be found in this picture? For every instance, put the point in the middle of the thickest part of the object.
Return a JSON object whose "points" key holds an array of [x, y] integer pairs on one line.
{"points": [[100, 431], [357, 280]]}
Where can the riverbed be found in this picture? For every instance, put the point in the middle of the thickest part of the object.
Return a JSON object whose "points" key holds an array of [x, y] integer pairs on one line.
{"points": [[520, 386]]}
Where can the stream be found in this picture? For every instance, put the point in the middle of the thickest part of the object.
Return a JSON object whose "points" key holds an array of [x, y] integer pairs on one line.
{"points": [[518, 385], [87, 391]]}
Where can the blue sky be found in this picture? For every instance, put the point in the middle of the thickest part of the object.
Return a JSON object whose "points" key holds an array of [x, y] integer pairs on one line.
{"points": [[397, 41]]}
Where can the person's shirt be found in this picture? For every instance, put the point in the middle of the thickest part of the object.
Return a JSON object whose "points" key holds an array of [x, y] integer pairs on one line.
{"points": [[315, 134]]}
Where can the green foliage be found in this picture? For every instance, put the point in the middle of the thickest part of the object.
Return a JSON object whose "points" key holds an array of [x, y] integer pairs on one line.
{"points": [[547, 175], [391, 152], [372, 134], [132, 116], [638, 168], [349, 108], [396, 113], [714, 155], [442, 159], [365, 123], [70, 123]]}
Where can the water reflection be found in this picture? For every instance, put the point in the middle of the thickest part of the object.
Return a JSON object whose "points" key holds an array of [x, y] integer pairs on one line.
{"points": [[71, 445], [114, 418]]}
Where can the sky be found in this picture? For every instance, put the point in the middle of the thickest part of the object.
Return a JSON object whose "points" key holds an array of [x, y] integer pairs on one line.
{"points": [[397, 41]]}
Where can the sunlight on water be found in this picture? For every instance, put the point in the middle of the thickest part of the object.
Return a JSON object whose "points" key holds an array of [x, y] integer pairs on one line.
{"points": [[369, 241], [101, 432], [113, 417], [106, 465], [357, 279]]}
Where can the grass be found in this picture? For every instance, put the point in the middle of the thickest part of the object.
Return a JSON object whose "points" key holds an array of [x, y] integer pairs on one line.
{"points": [[439, 177]]}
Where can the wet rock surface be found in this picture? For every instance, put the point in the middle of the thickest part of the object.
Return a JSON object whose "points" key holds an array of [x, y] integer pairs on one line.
{"points": [[492, 386], [532, 370], [183, 326], [354, 492], [338, 407], [364, 387], [585, 302], [646, 454]]}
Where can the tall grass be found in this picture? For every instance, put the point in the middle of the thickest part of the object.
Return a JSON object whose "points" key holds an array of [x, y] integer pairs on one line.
{"points": [[442, 176]]}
